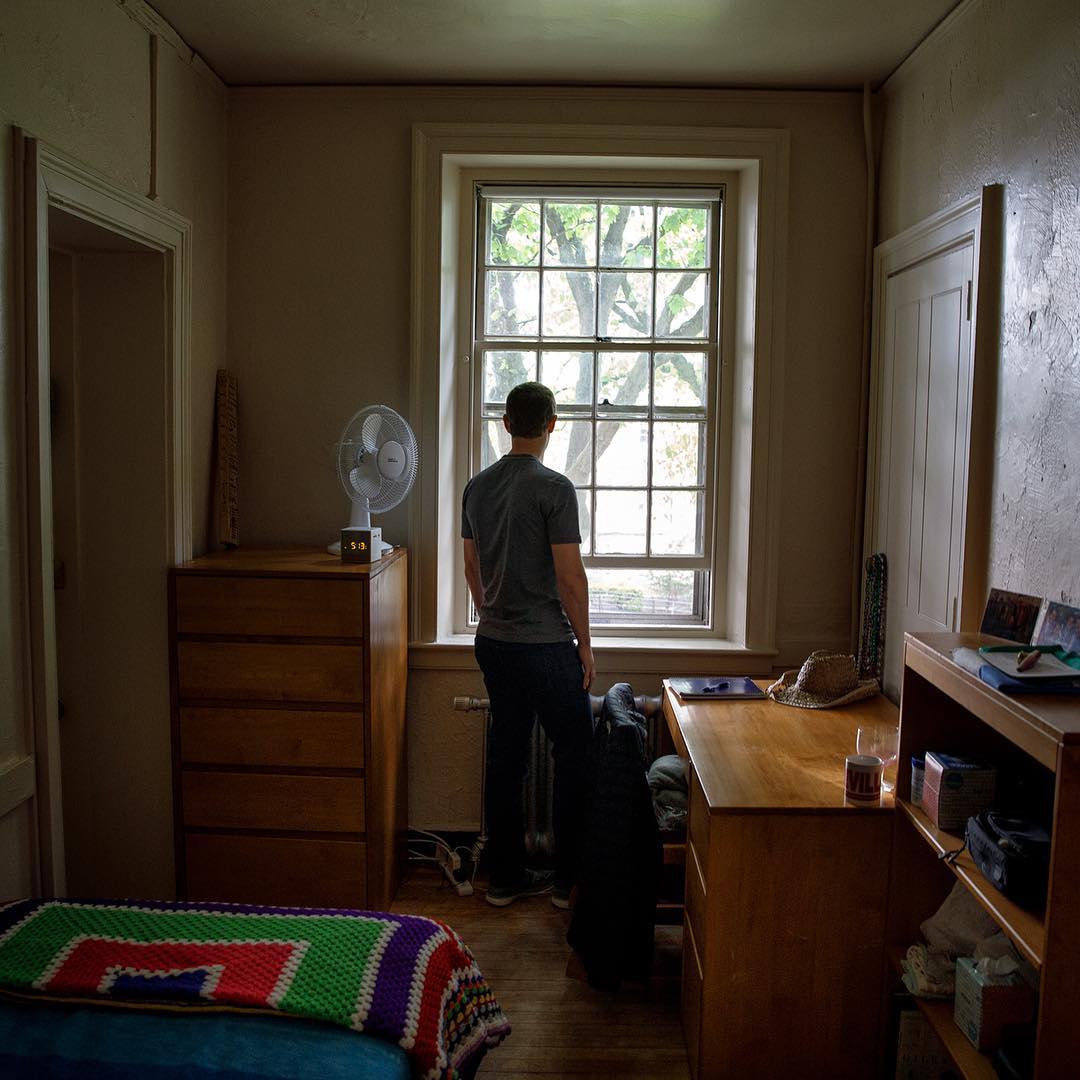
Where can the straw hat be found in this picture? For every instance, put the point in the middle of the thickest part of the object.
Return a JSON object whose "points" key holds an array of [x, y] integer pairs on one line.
{"points": [[825, 681]]}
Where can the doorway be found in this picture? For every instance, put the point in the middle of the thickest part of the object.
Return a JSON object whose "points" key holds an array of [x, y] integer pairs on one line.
{"points": [[108, 339], [102, 286]]}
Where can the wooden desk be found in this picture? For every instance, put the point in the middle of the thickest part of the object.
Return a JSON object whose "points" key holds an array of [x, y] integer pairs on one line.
{"points": [[786, 886]]}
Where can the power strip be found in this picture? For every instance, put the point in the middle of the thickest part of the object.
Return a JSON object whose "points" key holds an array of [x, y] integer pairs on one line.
{"points": [[450, 861]]}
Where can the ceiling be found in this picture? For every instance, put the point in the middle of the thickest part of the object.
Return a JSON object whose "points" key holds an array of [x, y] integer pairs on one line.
{"points": [[826, 44]]}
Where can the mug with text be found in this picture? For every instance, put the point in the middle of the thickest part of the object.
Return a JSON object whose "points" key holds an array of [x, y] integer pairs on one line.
{"points": [[862, 777]]}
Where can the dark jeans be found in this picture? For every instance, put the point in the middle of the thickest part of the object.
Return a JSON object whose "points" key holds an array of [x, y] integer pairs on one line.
{"points": [[526, 682]]}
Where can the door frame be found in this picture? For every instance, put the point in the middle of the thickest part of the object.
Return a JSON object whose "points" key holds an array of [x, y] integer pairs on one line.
{"points": [[44, 178], [978, 220]]}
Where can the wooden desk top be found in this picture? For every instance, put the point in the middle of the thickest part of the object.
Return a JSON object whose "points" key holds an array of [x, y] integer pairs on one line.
{"points": [[759, 756], [285, 562]]}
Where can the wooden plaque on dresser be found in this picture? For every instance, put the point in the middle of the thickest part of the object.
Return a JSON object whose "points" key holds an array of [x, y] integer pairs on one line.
{"points": [[288, 672]]}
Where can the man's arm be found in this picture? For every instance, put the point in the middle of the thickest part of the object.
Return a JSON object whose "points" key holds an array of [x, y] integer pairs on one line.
{"points": [[472, 573], [573, 588]]}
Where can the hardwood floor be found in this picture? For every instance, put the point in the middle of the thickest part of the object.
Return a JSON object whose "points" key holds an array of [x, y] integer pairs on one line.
{"points": [[561, 1027]]}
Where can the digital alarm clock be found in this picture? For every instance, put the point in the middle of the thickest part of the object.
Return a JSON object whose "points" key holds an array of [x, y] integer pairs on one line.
{"points": [[361, 545]]}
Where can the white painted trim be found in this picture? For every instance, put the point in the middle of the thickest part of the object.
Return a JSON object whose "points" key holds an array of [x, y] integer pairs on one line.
{"points": [[916, 56], [54, 180], [760, 156], [145, 16]]}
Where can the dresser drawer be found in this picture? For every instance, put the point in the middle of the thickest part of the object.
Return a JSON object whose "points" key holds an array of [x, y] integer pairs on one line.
{"points": [[269, 607], [248, 671], [276, 870], [239, 800], [272, 737]]}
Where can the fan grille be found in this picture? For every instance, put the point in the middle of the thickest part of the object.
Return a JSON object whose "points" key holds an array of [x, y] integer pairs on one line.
{"points": [[358, 457]]}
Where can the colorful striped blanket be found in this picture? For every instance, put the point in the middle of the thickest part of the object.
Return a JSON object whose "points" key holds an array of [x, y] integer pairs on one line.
{"points": [[402, 978]]}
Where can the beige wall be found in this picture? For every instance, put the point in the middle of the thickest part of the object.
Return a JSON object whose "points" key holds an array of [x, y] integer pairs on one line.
{"points": [[995, 98], [319, 226], [76, 74]]}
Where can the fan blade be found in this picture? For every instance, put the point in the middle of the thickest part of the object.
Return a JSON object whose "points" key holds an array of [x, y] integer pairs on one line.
{"points": [[369, 432], [365, 482]]}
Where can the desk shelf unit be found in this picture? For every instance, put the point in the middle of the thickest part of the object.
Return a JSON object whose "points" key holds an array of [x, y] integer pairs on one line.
{"points": [[1032, 739]]}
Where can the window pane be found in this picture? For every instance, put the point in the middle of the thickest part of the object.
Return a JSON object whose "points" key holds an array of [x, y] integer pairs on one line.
{"points": [[679, 379], [625, 305], [514, 233], [678, 454], [570, 234], [513, 303], [570, 450], [569, 376], [622, 453], [624, 379], [626, 235], [584, 501], [676, 528], [505, 370], [641, 592], [683, 236], [494, 442], [620, 523], [680, 305], [570, 303]]}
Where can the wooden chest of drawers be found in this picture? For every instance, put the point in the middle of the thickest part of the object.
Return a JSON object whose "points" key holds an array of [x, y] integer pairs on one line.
{"points": [[288, 697]]}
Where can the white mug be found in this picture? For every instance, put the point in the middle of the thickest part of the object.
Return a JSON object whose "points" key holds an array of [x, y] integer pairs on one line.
{"points": [[862, 777]]}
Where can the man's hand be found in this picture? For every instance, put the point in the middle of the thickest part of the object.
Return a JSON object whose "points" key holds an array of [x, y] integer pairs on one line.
{"points": [[587, 663]]}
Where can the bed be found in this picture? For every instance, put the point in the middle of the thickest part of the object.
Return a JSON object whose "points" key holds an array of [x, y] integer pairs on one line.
{"points": [[124, 989]]}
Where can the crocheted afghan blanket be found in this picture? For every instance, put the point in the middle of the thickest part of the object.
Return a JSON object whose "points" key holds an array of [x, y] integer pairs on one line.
{"points": [[402, 978]]}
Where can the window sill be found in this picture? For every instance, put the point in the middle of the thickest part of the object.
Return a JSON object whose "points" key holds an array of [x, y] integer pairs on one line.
{"points": [[619, 656]]}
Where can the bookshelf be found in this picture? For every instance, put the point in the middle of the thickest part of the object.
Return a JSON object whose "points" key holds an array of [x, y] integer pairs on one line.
{"points": [[1035, 742]]}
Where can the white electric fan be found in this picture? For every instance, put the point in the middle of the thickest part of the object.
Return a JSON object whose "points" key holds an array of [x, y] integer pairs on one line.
{"points": [[376, 463]]}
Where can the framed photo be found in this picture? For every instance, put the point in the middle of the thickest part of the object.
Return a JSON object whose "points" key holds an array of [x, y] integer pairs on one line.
{"points": [[1011, 615], [1060, 626]]}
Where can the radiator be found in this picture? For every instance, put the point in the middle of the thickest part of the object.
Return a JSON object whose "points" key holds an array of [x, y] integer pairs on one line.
{"points": [[539, 785]]}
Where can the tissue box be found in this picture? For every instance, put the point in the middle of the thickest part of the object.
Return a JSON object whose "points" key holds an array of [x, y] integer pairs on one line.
{"points": [[955, 789], [984, 1008]]}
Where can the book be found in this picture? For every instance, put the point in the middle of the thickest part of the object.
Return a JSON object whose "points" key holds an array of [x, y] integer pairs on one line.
{"points": [[716, 687]]}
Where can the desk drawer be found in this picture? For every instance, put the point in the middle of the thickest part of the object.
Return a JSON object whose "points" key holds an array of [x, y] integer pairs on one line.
{"points": [[239, 800], [696, 896], [276, 870], [692, 988], [269, 607], [272, 737], [246, 671], [698, 814]]}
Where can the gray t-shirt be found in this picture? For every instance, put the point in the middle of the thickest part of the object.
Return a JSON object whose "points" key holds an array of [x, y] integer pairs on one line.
{"points": [[514, 511]]}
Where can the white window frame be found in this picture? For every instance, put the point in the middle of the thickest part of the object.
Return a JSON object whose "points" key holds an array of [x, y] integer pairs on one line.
{"points": [[575, 184], [446, 158]]}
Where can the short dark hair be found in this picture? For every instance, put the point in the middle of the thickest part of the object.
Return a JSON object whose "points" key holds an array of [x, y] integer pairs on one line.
{"points": [[529, 409]]}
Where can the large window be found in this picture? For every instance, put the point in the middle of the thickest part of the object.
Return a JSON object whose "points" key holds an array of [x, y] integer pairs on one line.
{"points": [[610, 297]]}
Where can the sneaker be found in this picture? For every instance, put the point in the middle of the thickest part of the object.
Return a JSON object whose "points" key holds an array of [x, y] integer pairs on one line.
{"points": [[560, 898], [534, 883]]}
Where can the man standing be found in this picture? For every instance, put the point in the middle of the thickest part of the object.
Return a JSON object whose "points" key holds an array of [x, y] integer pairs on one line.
{"points": [[519, 524]]}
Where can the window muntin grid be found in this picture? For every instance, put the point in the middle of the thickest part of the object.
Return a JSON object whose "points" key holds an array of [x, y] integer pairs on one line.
{"points": [[549, 283]]}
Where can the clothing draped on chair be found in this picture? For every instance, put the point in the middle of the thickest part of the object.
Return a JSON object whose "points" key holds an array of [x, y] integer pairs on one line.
{"points": [[612, 925]]}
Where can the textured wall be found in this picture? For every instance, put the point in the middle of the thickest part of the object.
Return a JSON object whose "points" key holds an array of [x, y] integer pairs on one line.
{"points": [[319, 223], [995, 98], [76, 74]]}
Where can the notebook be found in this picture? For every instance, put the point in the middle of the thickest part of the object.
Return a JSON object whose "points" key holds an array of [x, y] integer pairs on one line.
{"points": [[716, 687]]}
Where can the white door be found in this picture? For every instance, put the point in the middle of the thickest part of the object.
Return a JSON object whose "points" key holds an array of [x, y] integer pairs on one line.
{"points": [[924, 403]]}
